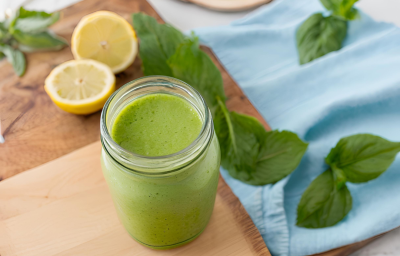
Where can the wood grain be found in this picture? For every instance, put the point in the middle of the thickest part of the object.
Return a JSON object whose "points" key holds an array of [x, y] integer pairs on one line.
{"points": [[229, 5], [35, 130], [64, 208]]}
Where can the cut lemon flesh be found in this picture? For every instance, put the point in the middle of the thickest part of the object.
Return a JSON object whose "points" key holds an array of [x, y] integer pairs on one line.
{"points": [[80, 86], [106, 37]]}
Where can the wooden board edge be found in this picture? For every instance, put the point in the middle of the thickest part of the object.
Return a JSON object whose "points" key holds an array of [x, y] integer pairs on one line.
{"points": [[241, 216], [350, 248], [228, 6]]}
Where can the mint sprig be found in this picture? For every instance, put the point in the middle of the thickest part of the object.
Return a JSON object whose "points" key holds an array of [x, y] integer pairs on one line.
{"points": [[15, 57], [249, 152], [358, 158], [28, 31], [319, 35]]}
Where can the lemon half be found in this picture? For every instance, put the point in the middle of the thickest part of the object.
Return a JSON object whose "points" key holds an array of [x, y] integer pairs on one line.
{"points": [[80, 86], [106, 37]]}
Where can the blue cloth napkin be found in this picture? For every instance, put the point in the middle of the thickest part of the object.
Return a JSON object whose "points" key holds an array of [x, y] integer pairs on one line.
{"points": [[354, 90]]}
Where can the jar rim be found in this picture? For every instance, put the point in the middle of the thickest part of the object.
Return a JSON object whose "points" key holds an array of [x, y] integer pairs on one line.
{"points": [[168, 160]]}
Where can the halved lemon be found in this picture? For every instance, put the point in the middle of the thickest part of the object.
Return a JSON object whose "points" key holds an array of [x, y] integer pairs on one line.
{"points": [[80, 86], [106, 37]]}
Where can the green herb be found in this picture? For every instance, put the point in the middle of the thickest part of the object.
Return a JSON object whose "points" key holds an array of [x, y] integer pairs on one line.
{"points": [[15, 57], [323, 204], [248, 151], [194, 66], [27, 32], [34, 21], [358, 158], [319, 35], [363, 157], [342, 8], [158, 42]]}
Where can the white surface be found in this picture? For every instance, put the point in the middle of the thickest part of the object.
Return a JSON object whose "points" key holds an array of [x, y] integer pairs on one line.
{"points": [[186, 16]]}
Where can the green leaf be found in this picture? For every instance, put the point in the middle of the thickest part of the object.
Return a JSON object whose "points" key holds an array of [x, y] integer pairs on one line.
{"points": [[319, 35], [15, 57], [323, 204], [363, 157], [240, 139], [158, 42], [3, 31], [33, 21], [195, 67], [166, 51], [279, 156], [339, 176], [41, 41], [251, 154], [342, 8]]}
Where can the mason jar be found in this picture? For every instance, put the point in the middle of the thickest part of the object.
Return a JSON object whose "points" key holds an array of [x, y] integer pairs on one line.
{"points": [[163, 201]]}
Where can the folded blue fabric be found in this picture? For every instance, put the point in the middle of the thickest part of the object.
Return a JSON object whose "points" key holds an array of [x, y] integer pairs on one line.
{"points": [[354, 90]]}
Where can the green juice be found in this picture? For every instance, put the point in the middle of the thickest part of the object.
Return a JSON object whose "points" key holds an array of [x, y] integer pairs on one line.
{"points": [[157, 125], [162, 211]]}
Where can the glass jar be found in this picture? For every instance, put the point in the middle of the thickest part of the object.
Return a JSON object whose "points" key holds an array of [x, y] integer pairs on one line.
{"points": [[165, 201]]}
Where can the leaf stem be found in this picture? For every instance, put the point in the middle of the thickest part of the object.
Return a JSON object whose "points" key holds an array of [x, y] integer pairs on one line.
{"points": [[229, 123]]}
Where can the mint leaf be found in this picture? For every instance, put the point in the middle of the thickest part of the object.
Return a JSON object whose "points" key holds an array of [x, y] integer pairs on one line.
{"points": [[158, 42], [33, 21], [363, 157], [342, 8], [323, 204], [3, 31], [319, 35], [15, 57], [45, 40], [195, 67]]}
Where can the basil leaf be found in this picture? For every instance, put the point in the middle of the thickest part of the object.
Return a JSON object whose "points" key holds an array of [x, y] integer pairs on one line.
{"points": [[240, 139], [34, 21], [244, 150], [323, 204], [279, 156], [15, 57], [253, 155], [195, 67], [363, 157], [41, 41], [339, 176], [158, 42], [342, 8], [319, 35]]}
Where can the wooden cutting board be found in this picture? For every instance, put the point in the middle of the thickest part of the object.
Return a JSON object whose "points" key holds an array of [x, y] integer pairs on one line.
{"points": [[64, 206]]}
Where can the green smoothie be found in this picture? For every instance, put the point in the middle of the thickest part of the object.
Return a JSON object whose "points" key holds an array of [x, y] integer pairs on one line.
{"points": [[157, 125], [162, 211]]}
